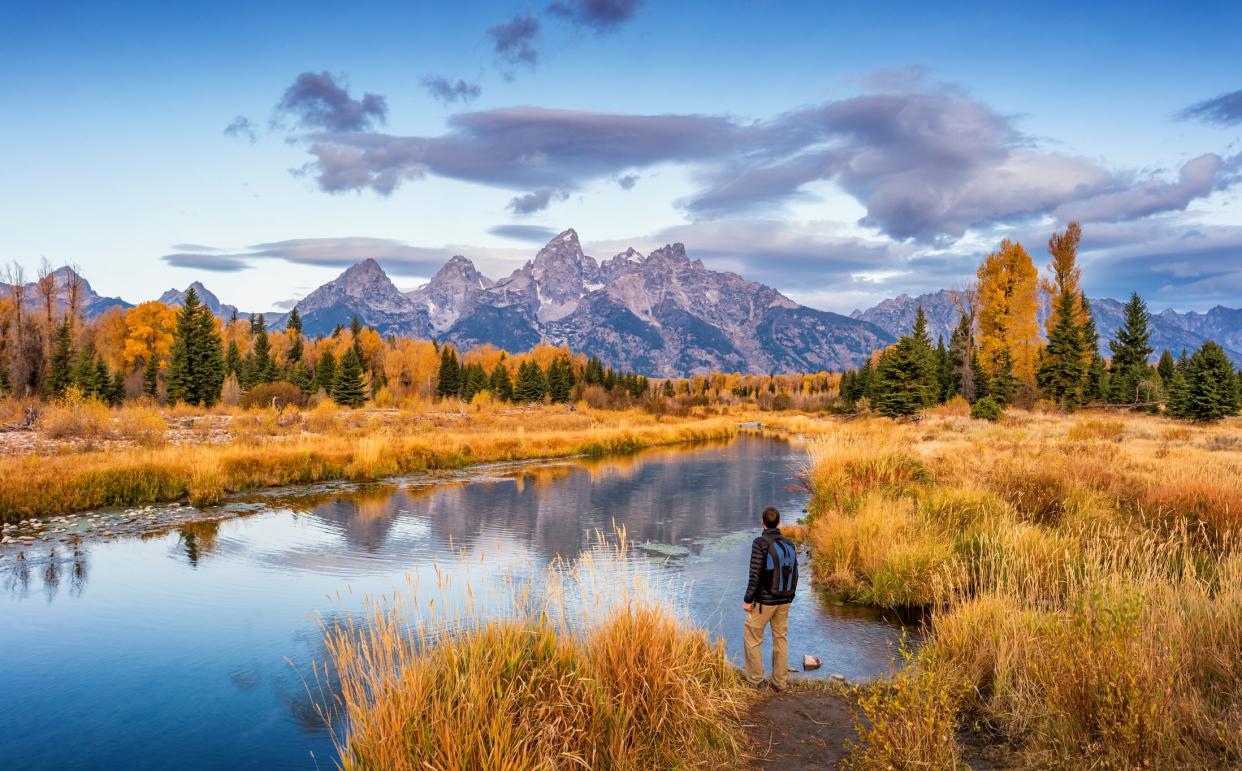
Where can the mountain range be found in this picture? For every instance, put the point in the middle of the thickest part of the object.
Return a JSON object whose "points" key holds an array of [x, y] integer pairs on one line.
{"points": [[661, 314], [1170, 330]]}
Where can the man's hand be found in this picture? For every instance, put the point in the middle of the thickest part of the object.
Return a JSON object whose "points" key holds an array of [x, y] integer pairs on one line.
{"points": [[747, 606]]}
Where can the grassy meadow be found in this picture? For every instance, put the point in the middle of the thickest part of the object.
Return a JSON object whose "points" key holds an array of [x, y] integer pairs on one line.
{"points": [[1084, 578]]}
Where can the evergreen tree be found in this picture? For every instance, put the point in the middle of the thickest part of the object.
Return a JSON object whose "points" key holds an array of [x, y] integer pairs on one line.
{"points": [[1212, 389], [116, 394], [1063, 369], [60, 367], [355, 329], [196, 363], [300, 375], [944, 372], [1095, 386], [349, 389], [102, 382], [962, 357], [1178, 390], [473, 380], [325, 372], [560, 380], [594, 372], [449, 383], [907, 375], [85, 374], [1130, 349], [501, 384], [1003, 385], [667, 388], [531, 385], [151, 375], [294, 325], [233, 360], [261, 369], [1165, 368]]}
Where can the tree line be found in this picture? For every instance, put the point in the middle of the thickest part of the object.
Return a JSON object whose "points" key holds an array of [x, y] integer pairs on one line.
{"points": [[996, 357]]}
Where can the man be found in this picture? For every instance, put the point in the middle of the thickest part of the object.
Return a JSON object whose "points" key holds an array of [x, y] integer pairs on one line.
{"points": [[773, 581]]}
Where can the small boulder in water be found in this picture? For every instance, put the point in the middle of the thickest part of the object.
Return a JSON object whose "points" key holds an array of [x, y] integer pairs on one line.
{"points": [[810, 662]]}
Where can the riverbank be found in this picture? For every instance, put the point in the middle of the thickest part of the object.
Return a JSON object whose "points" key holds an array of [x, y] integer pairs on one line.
{"points": [[268, 449], [1085, 576]]}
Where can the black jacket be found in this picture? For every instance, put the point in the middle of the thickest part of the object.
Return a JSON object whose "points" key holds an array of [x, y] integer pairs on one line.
{"points": [[758, 587]]}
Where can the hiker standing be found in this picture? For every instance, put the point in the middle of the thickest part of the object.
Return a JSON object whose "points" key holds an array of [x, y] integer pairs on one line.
{"points": [[773, 581]]}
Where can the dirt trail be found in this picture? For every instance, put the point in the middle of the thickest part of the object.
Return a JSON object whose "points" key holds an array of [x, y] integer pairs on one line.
{"points": [[803, 728]]}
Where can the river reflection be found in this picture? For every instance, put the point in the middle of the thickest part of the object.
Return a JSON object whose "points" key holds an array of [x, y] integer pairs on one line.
{"points": [[193, 648]]}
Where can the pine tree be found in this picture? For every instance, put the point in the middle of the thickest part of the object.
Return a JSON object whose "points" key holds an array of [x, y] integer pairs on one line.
{"points": [[594, 372], [116, 393], [1003, 385], [151, 375], [1063, 369], [294, 325], [85, 374], [531, 385], [355, 330], [907, 375], [196, 363], [1130, 348], [1211, 388], [501, 383], [1095, 386], [1178, 391], [102, 382], [60, 366], [261, 368], [233, 360], [944, 372], [474, 379], [325, 372], [349, 389], [961, 357], [449, 383], [560, 380], [1165, 368]]}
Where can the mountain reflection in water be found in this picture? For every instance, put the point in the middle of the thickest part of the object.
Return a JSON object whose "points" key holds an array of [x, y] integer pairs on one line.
{"points": [[193, 648]]}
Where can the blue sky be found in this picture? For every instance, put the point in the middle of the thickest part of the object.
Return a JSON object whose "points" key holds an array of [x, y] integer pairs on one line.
{"points": [[842, 152]]}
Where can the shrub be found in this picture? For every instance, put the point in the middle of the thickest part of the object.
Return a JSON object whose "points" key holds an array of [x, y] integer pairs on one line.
{"points": [[143, 425], [986, 408], [278, 394], [76, 416]]}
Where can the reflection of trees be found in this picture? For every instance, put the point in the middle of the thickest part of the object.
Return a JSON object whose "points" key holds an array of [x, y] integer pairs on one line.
{"points": [[50, 569], [198, 539]]}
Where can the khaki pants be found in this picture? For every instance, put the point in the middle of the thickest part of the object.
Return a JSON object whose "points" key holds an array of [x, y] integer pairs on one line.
{"points": [[752, 637]]}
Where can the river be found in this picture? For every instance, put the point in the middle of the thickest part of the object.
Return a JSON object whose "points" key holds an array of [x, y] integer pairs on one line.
{"points": [[192, 648]]}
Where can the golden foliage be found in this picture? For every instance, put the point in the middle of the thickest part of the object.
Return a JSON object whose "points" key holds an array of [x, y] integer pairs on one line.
{"points": [[1008, 303]]}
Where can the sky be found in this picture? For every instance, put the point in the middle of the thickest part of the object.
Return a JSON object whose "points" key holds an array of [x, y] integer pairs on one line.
{"points": [[841, 152]]}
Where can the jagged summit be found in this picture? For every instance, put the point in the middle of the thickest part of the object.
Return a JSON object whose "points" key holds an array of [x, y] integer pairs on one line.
{"points": [[451, 293], [363, 290]]}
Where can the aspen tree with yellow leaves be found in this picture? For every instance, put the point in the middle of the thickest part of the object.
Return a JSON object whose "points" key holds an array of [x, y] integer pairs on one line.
{"points": [[1008, 292]]}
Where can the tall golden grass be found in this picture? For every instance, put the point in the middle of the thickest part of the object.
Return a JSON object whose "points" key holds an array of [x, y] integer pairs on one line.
{"points": [[559, 680], [1085, 577], [270, 450]]}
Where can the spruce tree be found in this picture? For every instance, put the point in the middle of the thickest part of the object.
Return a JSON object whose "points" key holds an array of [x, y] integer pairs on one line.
{"points": [[502, 383], [449, 383], [1095, 385], [1003, 385], [196, 362], [325, 372], [473, 380], [102, 384], [1178, 394], [531, 385], [1165, 368], [907, 375], [60, 367], [233, 360], [151, 375], [261, 369], [560, 380], [349, 389], [980, 381], [116, 393], [1130, 348], [961, 358], [1064, 367], [85, 374], [294, 325], [944, 371], [1211, 388]]}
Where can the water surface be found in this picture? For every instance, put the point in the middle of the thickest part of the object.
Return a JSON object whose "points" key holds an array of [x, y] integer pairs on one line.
{"points": [[191, 649]]}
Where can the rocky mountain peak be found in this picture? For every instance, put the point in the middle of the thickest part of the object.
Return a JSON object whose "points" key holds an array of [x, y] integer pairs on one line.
{"points": [[365, 283], [452, 292], [673, 254]]}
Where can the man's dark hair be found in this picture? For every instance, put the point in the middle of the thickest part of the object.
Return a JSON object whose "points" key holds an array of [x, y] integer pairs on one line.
{"points": [[771, 517]]}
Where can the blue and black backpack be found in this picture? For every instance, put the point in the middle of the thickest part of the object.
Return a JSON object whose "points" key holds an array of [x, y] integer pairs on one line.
{"points": [[783, 563]]}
